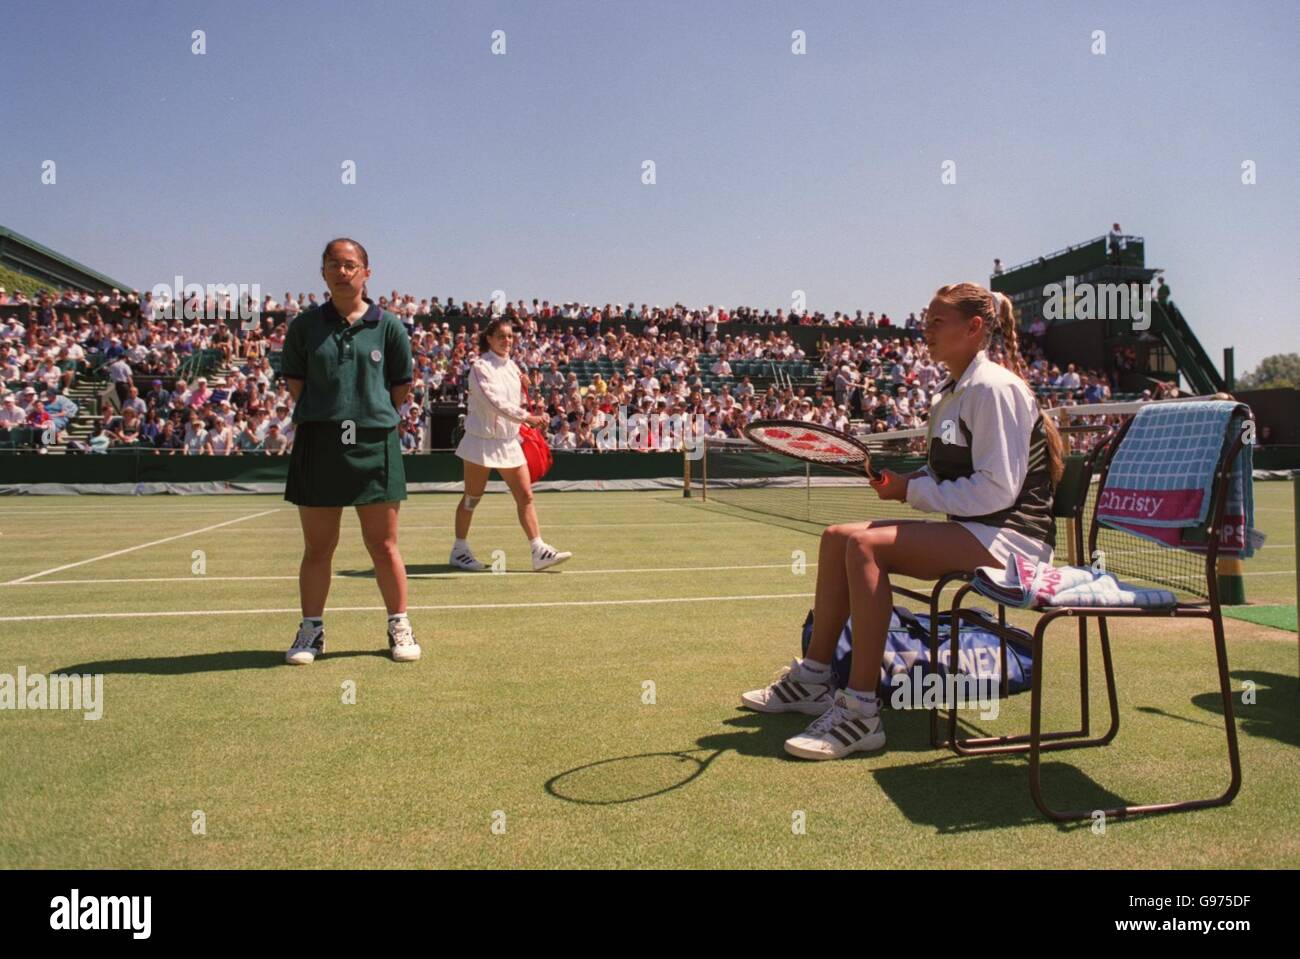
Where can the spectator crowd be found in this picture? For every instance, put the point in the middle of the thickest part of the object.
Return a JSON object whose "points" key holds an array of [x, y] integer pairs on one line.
{"points": [[867, 371]]}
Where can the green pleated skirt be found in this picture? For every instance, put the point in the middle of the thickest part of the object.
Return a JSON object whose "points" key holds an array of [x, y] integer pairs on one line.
{"points": [[325, 471]]}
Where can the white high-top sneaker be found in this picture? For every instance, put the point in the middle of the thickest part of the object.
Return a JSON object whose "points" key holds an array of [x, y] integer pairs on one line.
{"points": [[307, 645], [847, 727], [465, 559], [546, 556], [795, 690], [401, 642]]}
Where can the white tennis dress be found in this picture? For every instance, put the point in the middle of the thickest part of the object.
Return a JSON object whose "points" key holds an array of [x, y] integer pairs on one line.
{"points": [[495, 414]]}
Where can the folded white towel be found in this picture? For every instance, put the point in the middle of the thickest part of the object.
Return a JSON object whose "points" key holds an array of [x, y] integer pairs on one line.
{"points": [[1027, 584]]}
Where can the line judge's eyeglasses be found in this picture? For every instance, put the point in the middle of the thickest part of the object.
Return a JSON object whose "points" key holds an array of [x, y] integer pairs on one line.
{"points": [[347, 268]]}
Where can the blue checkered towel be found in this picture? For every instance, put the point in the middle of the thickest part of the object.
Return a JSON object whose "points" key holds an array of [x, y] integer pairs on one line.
{"points": [[1161, 477]]}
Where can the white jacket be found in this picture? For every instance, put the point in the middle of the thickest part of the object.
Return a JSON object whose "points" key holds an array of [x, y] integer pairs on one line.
{"points": [[999, 409], [495, 398]]}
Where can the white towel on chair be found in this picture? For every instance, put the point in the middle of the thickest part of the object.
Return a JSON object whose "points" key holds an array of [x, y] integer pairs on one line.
{"points": [[1026, 584]]}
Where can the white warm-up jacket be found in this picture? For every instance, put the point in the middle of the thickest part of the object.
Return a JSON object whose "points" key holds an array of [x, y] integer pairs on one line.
{"points": [[495, 398]]}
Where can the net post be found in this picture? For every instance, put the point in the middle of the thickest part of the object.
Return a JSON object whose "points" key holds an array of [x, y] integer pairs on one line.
{"points": [[686, 473], [1230, 572], [704, 473], [1295, 517]]}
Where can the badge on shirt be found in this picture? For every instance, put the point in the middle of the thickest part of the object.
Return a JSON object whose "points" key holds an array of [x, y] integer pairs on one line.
{"points": [[376, 355]]}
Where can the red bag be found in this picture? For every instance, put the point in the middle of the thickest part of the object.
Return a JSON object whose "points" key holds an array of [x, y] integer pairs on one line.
{"points": [[536, 451]]}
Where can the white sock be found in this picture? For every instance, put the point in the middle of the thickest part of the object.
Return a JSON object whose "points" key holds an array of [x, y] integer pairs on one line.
{"points": [[460, 546], [866, 700], [536, 544], [396, 618], [812, 666], [312, 622]]}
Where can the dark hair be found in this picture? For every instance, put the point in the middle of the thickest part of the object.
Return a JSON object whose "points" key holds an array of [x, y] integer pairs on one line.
{"points": [[365, 257], [493, 325]]}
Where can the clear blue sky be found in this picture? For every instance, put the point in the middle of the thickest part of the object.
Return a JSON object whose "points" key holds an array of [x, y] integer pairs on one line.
{"points": [[775, 172]]}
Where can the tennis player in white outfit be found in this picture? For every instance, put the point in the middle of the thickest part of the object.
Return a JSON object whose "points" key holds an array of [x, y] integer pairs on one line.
{"points": [[993, 464], [491, 442]]}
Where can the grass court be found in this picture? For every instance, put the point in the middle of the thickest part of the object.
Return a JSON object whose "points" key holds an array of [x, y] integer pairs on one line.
{"points": [[526, 710]]}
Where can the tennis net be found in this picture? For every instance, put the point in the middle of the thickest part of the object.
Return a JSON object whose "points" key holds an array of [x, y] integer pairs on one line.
{"points": [[739, 476]]}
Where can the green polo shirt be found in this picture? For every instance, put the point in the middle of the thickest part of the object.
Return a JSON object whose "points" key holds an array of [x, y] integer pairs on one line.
{"points": [[346, 369]]}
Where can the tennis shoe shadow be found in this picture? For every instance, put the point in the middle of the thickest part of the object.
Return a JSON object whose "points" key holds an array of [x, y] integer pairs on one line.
{"points": [[204, 662]]}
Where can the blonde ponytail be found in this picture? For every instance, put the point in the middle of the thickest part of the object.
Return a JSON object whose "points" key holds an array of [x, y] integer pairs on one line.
{"points": [[1004, 323]]}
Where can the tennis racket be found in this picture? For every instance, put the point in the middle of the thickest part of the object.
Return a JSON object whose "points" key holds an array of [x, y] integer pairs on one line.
{"points": [[813, 443]]}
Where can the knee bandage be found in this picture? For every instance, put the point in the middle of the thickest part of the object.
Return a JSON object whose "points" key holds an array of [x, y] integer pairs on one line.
{"points": [[469, 502]]}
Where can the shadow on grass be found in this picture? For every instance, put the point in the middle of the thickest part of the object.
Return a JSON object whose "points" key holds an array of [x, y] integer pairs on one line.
{"points": [[419, 569], [1165, 714], [952, 794], [203, 662], [624, 779], [973, 794], [1272, 715]]}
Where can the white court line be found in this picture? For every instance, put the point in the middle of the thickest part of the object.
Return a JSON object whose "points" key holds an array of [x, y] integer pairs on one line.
{"points": [[445, 527], [142, 504], [1272, 572], [340, 576], [368, 609], [132, 549], [177, 507]]}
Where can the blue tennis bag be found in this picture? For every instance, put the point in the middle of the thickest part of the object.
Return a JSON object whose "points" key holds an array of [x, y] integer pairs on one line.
{"points": [[907, 648]]}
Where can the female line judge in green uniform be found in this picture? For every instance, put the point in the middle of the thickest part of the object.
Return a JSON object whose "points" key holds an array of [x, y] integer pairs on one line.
{"points": [[348, 367]]}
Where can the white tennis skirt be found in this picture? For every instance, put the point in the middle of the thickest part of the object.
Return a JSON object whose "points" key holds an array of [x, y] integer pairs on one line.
{"points": [[495, 454], [1001, 543]]}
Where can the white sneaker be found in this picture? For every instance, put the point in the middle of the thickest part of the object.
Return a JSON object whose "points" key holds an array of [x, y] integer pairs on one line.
{"points": [[307, 645], [843, 729], [547, 556], [795, 691], [464, 559], [401, 642]]}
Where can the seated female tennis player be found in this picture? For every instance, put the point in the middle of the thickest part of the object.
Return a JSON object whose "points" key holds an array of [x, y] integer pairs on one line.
{"points": [[993, 462]]}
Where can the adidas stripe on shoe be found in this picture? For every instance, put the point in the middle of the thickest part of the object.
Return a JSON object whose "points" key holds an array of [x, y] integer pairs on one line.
{"points": [[545, 557], [844, 728], [464, 559], [307, 645], [795, 690]]}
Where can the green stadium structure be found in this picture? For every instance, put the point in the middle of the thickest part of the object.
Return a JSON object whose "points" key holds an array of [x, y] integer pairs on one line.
{"points": [[1094, 299], [24, 255]]}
